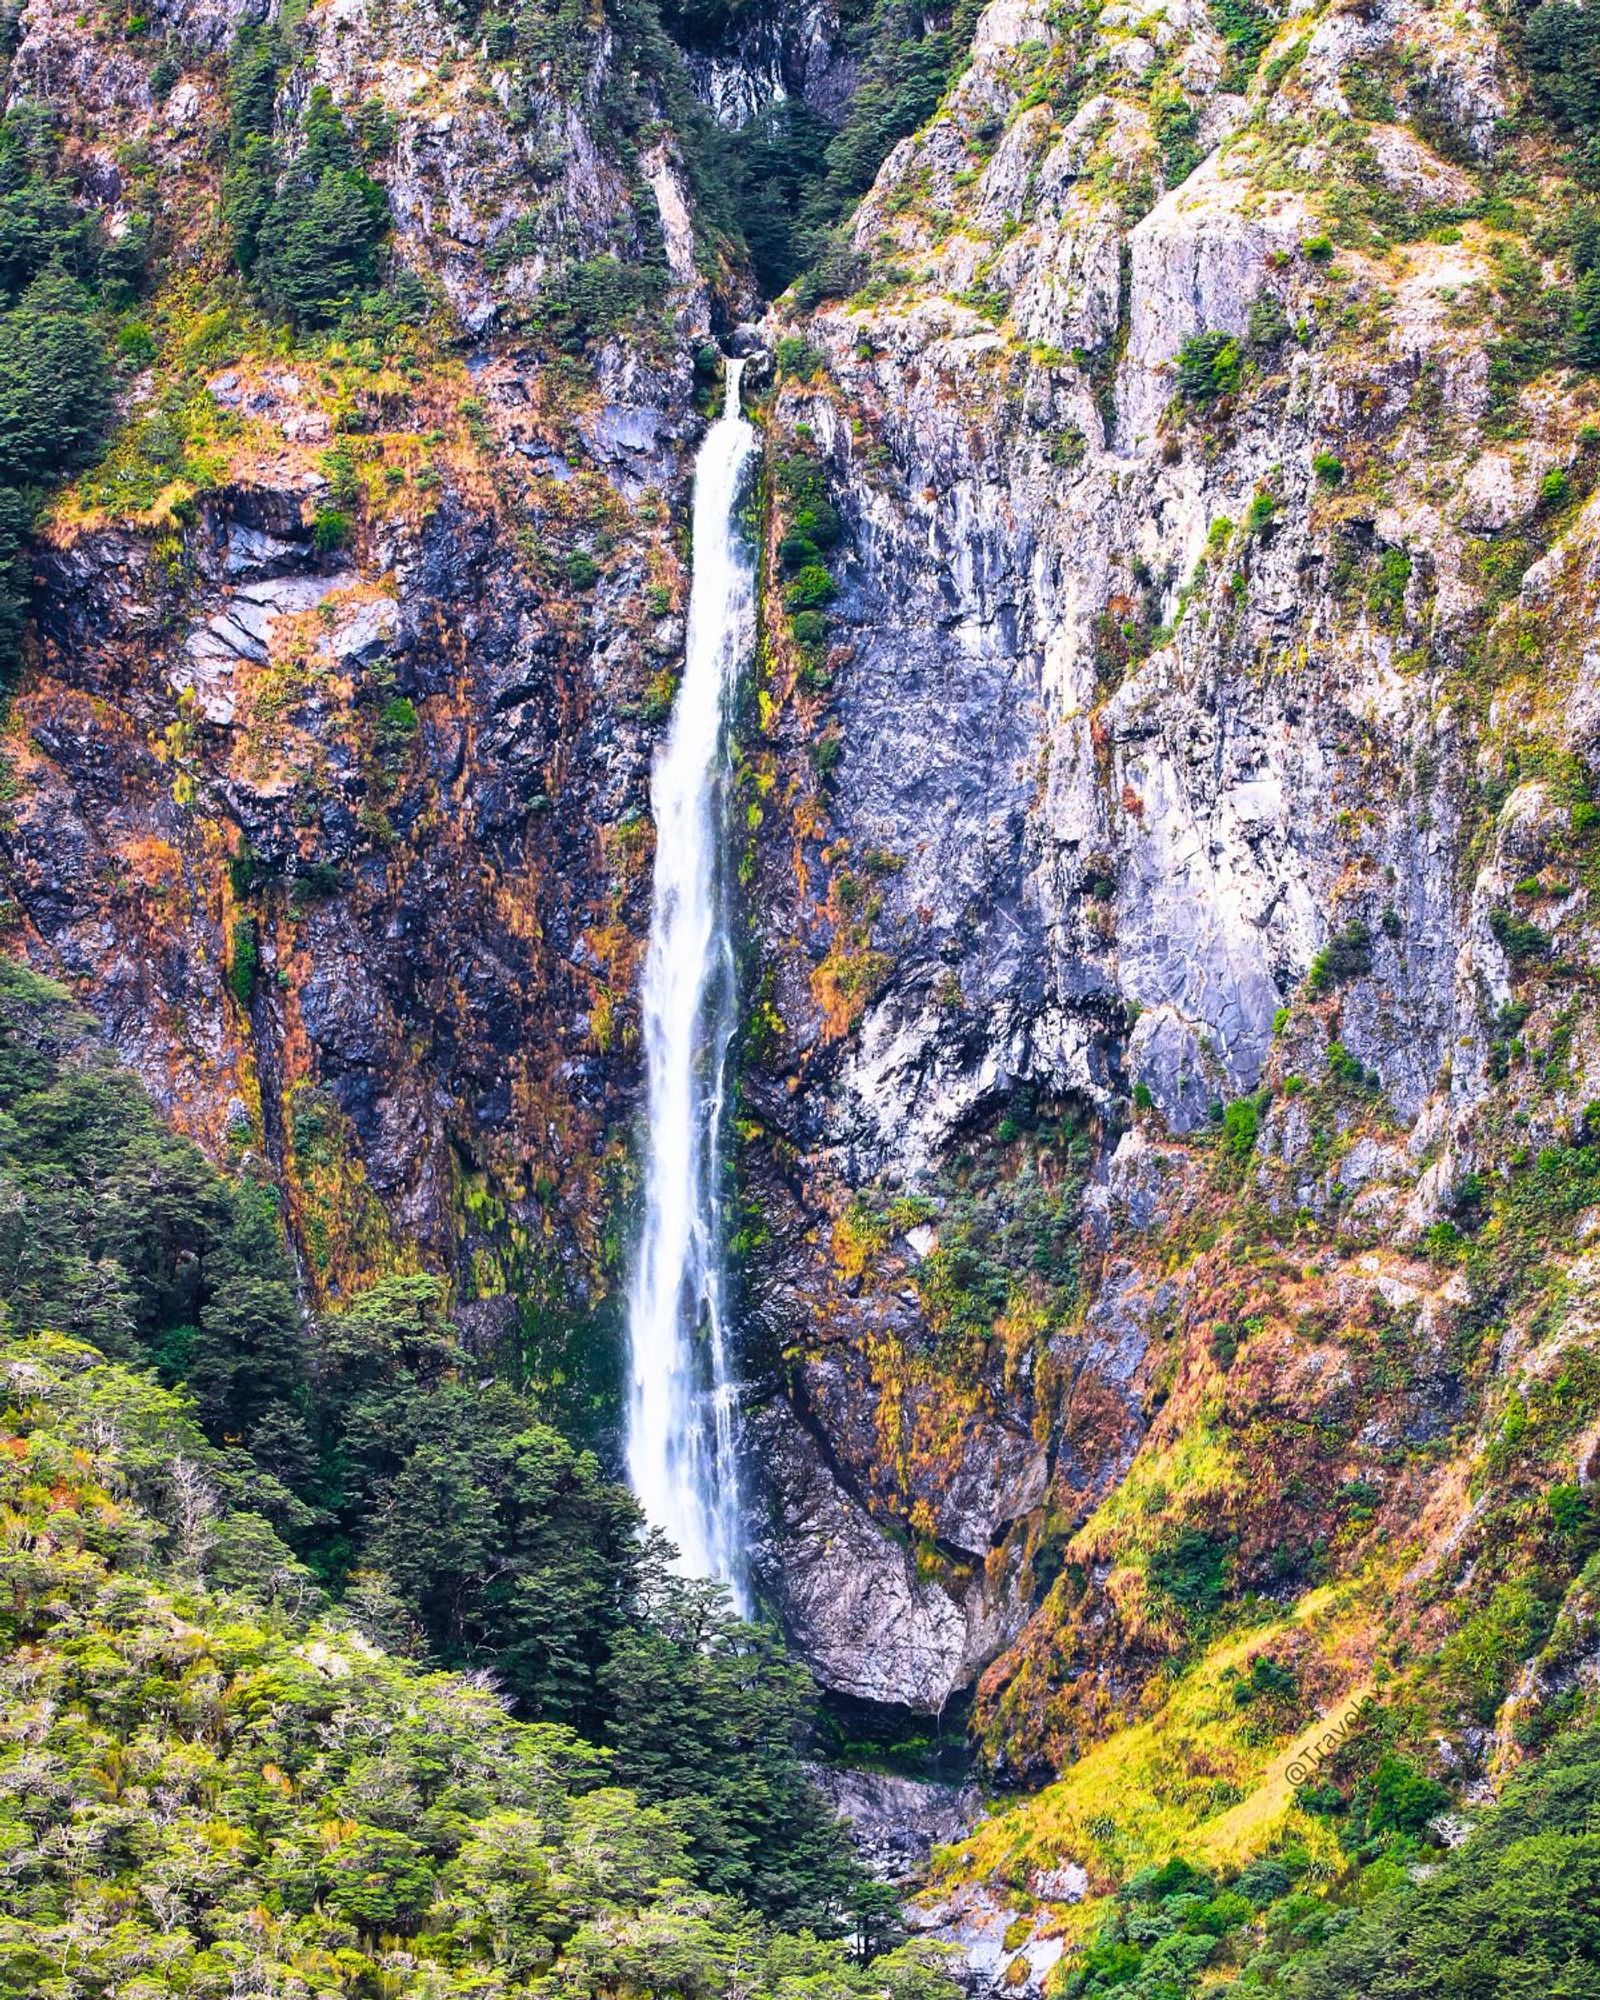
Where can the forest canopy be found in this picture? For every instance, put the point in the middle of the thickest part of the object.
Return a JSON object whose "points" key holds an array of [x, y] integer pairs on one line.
{"points": [[238, 1530]]}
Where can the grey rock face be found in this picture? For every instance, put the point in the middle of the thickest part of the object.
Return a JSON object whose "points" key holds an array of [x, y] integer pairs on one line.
{"points": [[1118, 691], [788, 50], [975, 1923], [896, 1822], [851, 1595]]}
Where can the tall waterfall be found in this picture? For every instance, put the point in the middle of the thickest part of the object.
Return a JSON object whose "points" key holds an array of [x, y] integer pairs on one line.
{"points": [[681, 1446]]}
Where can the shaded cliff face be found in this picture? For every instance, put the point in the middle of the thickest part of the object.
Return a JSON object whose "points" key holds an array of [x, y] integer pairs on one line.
{"points": [[1164, 798], [330, 772]]}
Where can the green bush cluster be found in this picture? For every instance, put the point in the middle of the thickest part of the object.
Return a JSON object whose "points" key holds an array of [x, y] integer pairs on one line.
{"points": [[1347, 955], [244, 1794], [244, 959], [307, 230], [1512, 1911], [1522, 941], [1192, 1570], [372, 1466], [1245, 29], [1209, 367], [1008, 1212], [1241, 1122], [793, 176], [588, 299], [60, 279], [812, 530]]}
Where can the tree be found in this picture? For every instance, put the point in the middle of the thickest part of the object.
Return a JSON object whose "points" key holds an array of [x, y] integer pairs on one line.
{"points": [[1514, 1911], [711, 1711], [55, 385]]}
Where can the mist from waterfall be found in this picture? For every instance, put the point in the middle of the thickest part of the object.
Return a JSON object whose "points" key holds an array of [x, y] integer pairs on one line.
{"points": [[682, 1394]]}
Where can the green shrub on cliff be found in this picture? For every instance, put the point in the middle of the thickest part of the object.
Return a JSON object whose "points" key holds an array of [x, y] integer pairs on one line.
{"points": [[1209, 366], [59, 275], [309, 232], [1514, 1911]]}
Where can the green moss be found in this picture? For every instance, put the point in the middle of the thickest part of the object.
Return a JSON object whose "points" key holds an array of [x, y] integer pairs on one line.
{"points": [[244, 960]]}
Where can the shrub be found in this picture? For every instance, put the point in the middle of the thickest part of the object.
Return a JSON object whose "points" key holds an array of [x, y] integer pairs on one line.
{"points": [[1068, 447], [1142, 1097], [581, 570], [1246, 30], [1268, 323], [244, 960], [1403, 1798], [1192, 1570], [1344, 1067], [331, 529], [1318, 248], [1583, 321], [1521, 941], [397, 724], [1346, 955], [1241, 1122], [810, 628], [796, 550], [1555, 489], [796, 358], [136, 344], [1262, 511], [1209, 366], [1441, 1241], [818, 520], [810, 589], [1387, 596], [1263, 1882], [1328, 469], [55, 386]]}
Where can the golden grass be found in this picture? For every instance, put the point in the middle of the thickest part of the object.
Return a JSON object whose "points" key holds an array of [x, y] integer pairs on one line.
{"points": [[1186, 1778]]}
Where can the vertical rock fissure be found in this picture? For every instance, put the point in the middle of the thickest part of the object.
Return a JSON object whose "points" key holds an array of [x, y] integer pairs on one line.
{"points": [[682, 1390]]}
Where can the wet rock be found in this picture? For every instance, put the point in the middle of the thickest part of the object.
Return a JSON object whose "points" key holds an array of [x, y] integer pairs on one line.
{"points": [[895, 1821], [850, 1592]]}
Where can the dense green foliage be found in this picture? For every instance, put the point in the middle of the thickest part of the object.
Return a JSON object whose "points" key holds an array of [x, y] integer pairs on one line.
{"points": [[209, 1787], [1513, 1911], [60, 275], [1209, 366], [307, 231], [1561, 43], [365, 1457], [795, 178]]}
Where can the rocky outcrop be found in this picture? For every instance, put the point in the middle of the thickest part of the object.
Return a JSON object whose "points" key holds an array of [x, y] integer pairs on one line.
{"points": [[1155, 776]]}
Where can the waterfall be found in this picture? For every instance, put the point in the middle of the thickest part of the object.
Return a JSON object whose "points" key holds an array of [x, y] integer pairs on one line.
{"points": [[682, 1396]]}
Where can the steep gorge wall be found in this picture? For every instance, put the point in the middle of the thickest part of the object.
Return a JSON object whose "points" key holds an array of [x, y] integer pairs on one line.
{"points": [[1204, 735], [344, 834]]}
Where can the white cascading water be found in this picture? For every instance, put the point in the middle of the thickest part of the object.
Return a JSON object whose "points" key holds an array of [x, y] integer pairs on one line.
{"points": [[681, 1441]]}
